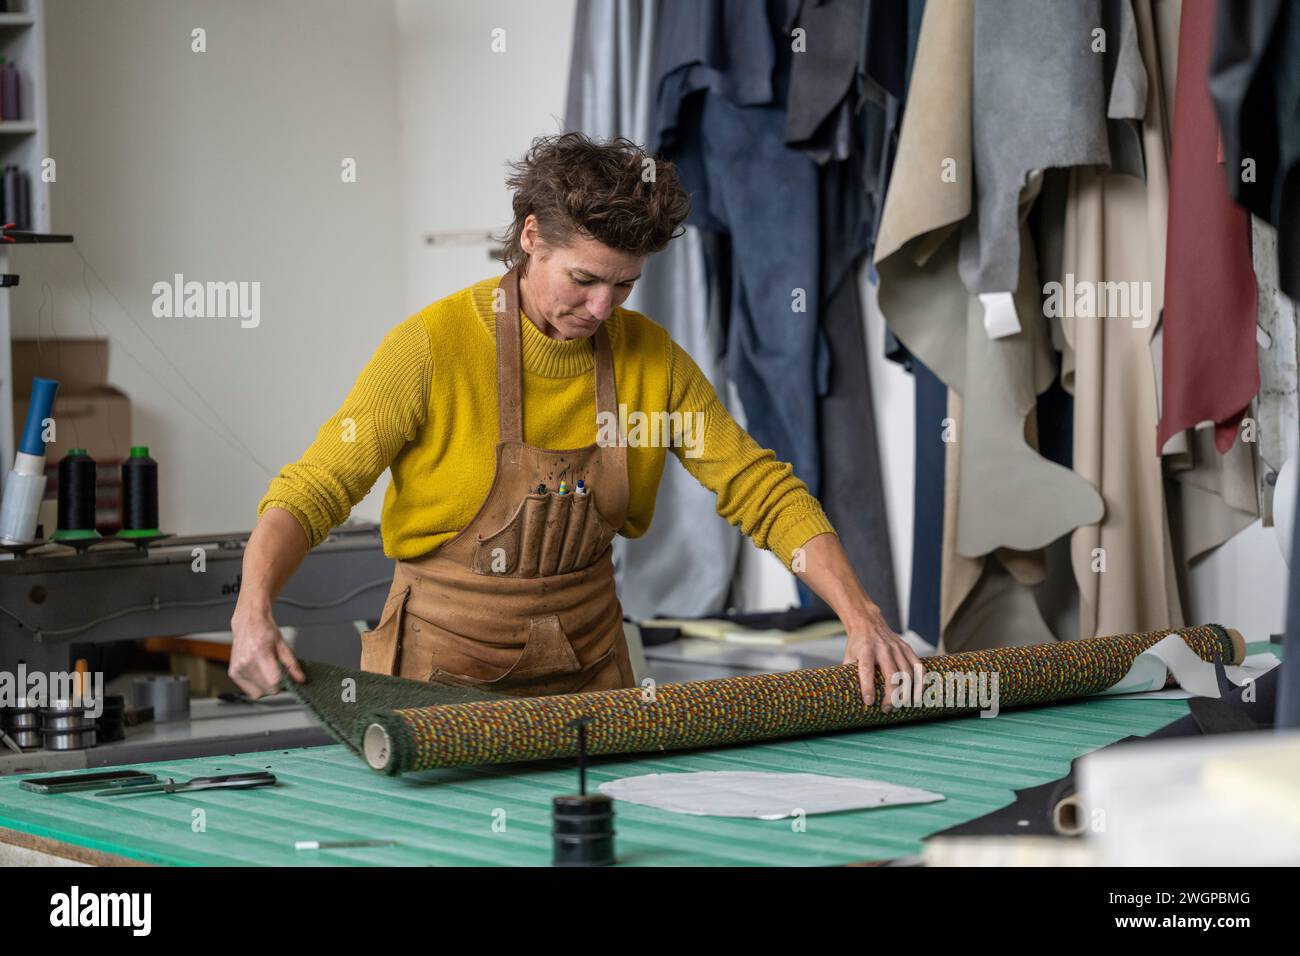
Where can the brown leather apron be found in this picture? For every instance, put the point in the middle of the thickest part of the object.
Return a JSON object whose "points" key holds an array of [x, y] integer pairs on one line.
{"points": [[522, 601]]}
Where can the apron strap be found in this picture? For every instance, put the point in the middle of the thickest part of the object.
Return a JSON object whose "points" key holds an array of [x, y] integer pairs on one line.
{"points": [[510, 422], [606, 391], [617, 490], [510, 363]]}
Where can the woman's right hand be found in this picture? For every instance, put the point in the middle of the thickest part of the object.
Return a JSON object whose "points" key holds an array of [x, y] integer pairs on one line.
{"points": [[257, 653], [274, 550]]}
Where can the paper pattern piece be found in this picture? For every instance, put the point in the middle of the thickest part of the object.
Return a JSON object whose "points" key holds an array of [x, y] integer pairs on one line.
{"points": [[1195, 676], [766, 796]]}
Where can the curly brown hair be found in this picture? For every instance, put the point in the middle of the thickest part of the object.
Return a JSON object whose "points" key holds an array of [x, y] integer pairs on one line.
{"points": [[575, 185]]}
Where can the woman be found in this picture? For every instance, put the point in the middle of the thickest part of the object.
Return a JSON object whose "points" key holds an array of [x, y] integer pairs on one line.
{"points": [[504, 578]]}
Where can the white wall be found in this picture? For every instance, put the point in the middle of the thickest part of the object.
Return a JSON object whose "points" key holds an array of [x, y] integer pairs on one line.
{"points": [[222, 165], [465, 112]]}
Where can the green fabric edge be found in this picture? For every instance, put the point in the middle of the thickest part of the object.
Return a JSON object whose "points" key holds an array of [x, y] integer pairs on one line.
{"points": [[376, 694]]}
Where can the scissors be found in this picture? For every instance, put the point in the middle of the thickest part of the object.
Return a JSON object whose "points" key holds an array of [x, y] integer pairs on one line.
{"points": [[231, 781]]}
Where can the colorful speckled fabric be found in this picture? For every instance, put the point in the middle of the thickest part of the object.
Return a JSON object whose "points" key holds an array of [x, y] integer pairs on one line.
{"points": [[763, 707]]}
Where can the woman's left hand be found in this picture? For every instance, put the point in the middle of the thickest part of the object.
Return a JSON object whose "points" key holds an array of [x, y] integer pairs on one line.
{"points": [[825, 568], [872, 644]]}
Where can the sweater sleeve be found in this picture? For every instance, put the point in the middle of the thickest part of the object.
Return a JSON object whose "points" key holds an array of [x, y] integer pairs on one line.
{"points": [[755, 492], [387, 405]]}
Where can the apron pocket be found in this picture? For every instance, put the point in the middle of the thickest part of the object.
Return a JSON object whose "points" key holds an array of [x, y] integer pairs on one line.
{"points": [[546, 664], [603, 538], [597, 676], [579, 510], [379, 647], [558, 509], [548, 534], [430, 652], [534, 528], [596, 536], [498, 552]]}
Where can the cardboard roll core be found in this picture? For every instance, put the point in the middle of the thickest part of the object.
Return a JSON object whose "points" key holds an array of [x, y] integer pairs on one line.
{"points": [[377, 746]]}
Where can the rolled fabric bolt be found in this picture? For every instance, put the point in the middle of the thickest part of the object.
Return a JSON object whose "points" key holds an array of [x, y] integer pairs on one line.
{"points": [[757, 707], [26, 485]]}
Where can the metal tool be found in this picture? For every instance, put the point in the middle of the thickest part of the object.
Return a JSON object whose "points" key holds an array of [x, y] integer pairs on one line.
{"points": [[60, 721], [9, 742], [21, 720], [168, 695], [231, 781], [22, 716], [69, 739], [74, 783], [67, 725]]}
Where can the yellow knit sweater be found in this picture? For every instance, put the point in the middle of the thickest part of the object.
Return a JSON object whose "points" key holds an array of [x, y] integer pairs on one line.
{"points": [[425, 406]]}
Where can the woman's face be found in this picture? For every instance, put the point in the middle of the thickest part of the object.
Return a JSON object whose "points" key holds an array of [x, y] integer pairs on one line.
{"points": [[570, 290]]}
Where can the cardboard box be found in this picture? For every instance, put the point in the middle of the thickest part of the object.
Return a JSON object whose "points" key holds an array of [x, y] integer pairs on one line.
{"points": [[88, 412], [77, 364]]}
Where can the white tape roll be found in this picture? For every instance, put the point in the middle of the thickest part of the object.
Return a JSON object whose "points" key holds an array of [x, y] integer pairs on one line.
{"points": [[20, 507]]}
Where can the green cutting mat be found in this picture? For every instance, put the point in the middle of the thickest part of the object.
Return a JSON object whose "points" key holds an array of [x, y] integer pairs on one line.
{"points": [[500, 815]]}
